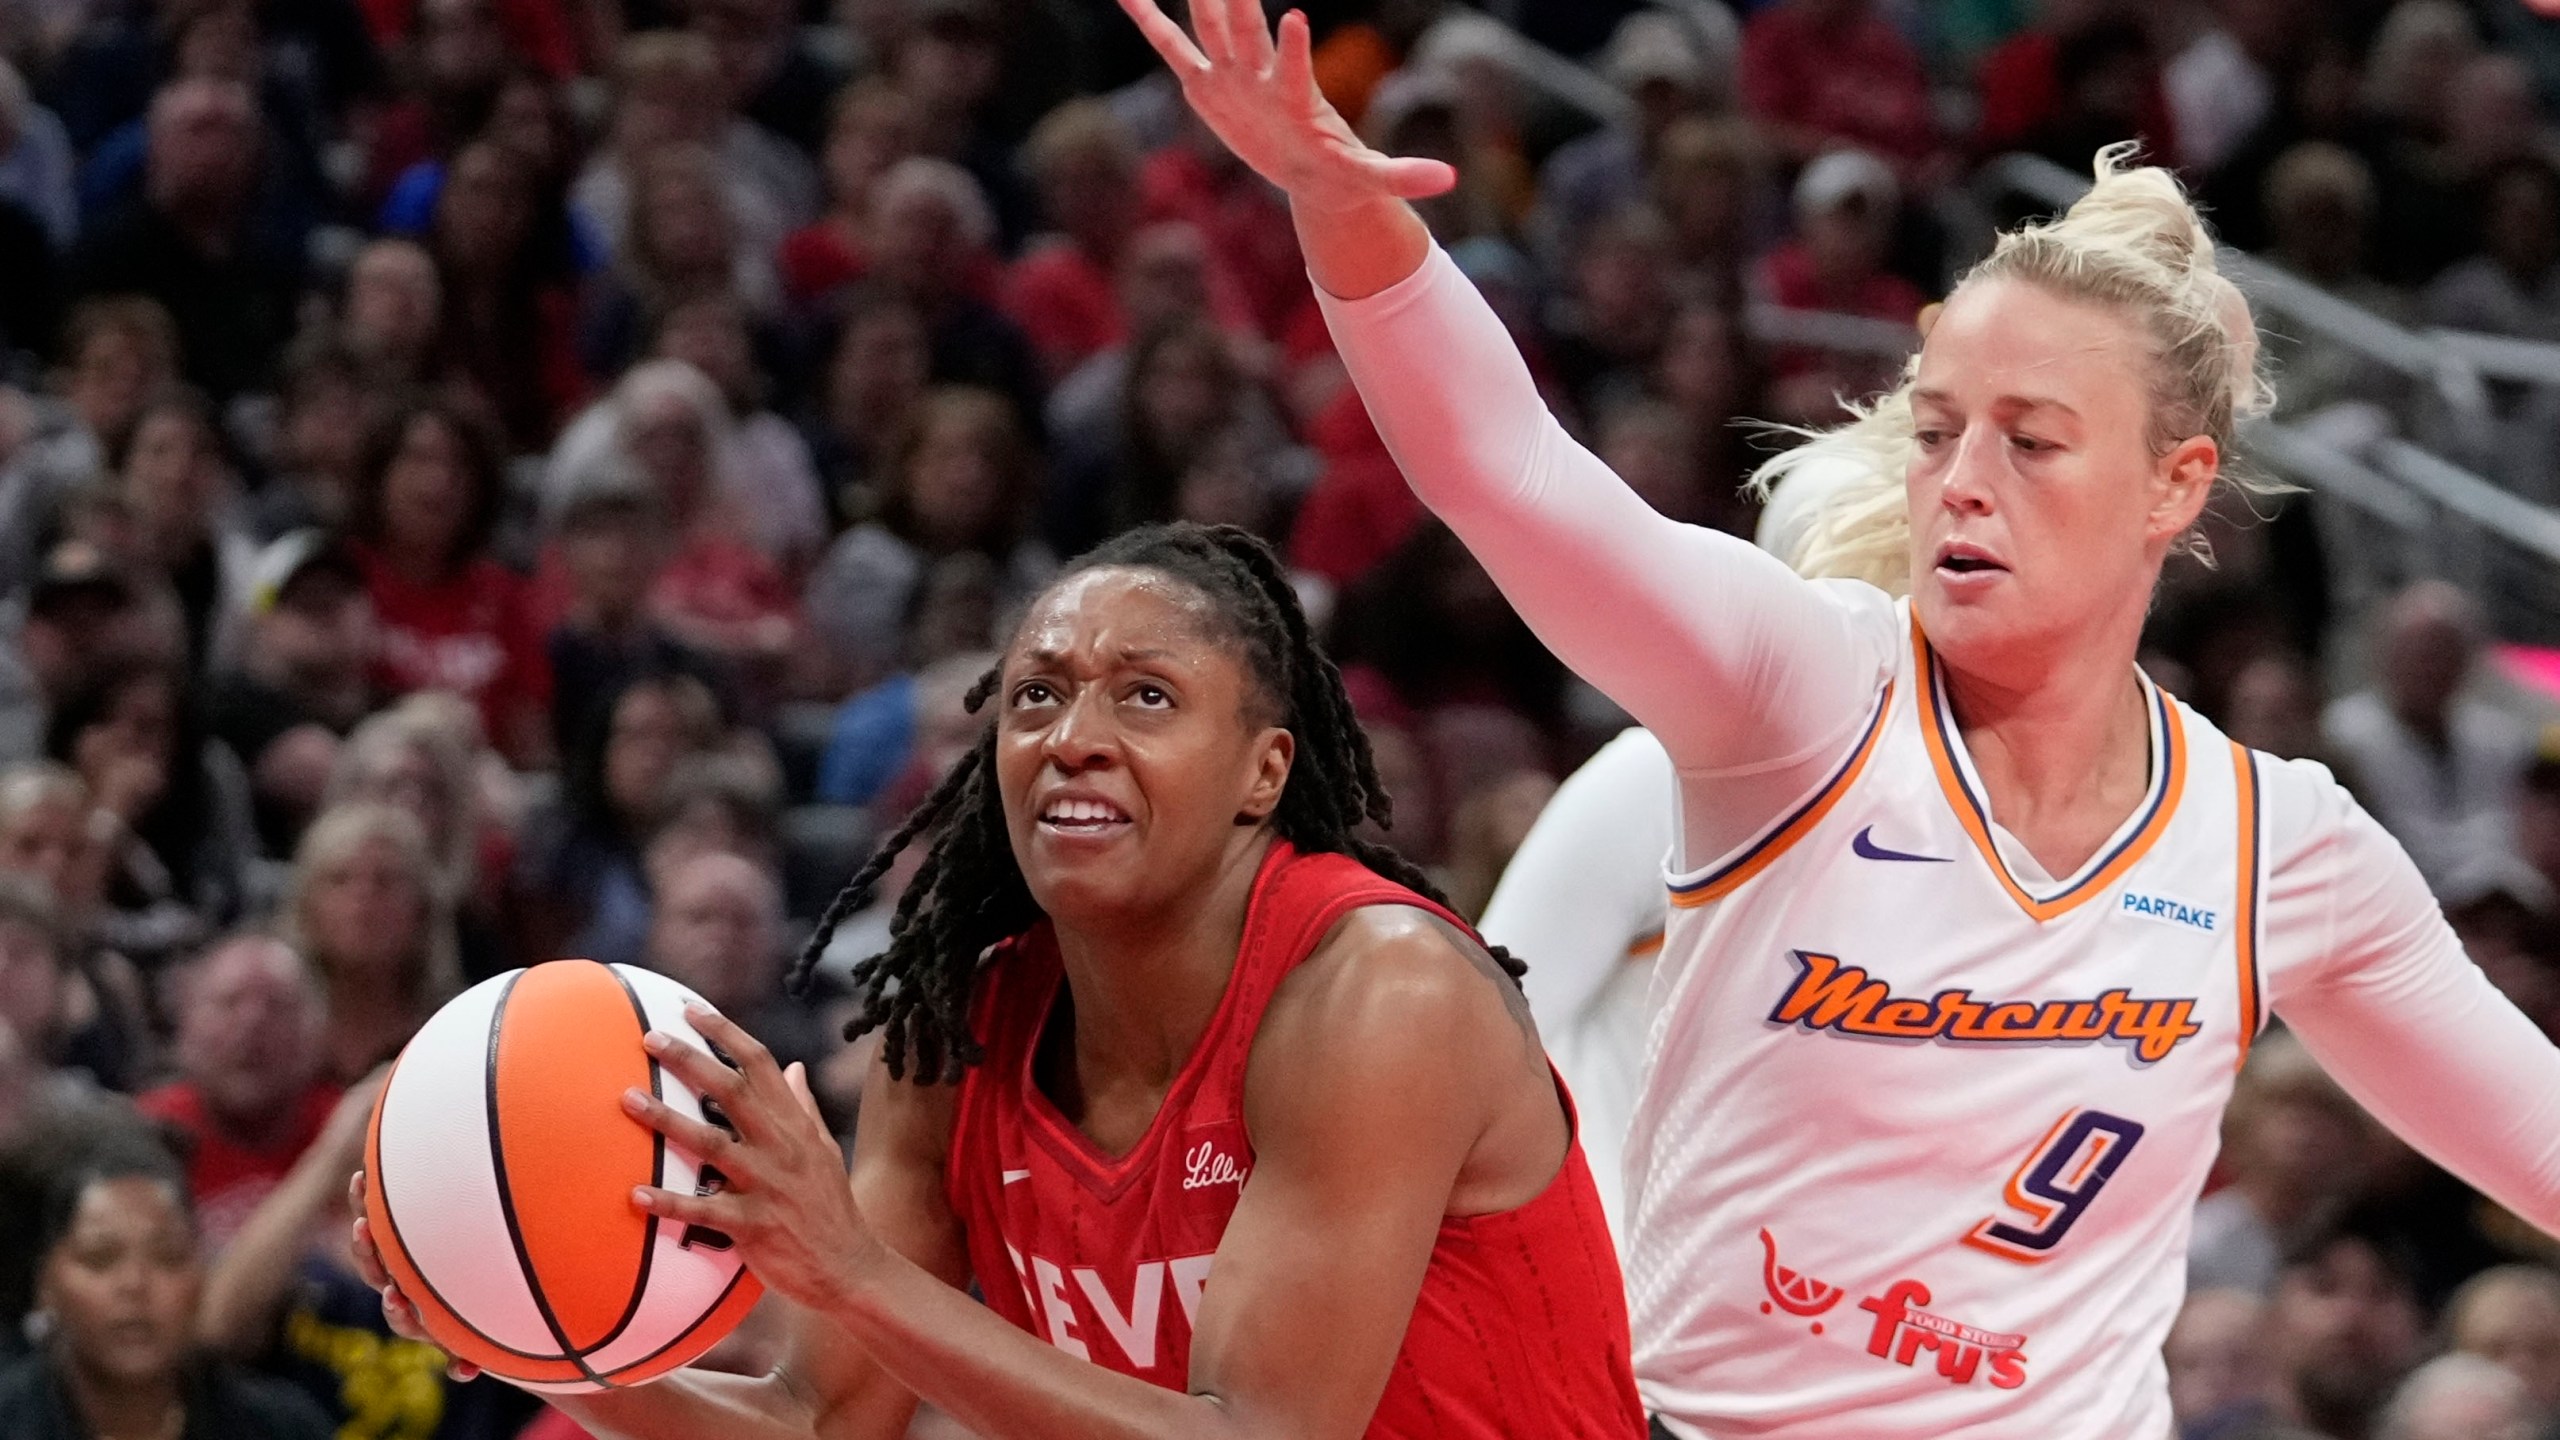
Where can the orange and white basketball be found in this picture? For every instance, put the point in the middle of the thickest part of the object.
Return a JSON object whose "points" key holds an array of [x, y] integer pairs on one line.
{"points": [[498, 1181]]}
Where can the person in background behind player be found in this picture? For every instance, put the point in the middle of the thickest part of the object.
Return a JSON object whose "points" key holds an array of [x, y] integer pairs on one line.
{"points": [[1152, 1014], [117, 1282], [1952, 1114], [1584, 894]]}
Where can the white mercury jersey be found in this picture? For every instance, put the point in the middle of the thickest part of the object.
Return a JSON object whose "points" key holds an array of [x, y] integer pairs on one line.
{"points": [[1921, 1126], [1926, 1127]]}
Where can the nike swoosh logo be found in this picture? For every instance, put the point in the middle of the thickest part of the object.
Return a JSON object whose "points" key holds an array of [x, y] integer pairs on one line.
{"points": [[1865, 848], [1012, 1175]]}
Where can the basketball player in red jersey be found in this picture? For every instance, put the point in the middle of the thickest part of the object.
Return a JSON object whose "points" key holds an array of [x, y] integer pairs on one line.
{"points": [[1248, 1139]]}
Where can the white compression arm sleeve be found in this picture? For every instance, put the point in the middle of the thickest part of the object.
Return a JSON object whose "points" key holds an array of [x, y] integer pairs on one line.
{"points": [[2368, 973], [1740, 667]]}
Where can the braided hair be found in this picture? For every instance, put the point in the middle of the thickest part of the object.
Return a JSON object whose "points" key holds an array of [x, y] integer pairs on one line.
{"points": [[969, 893]]}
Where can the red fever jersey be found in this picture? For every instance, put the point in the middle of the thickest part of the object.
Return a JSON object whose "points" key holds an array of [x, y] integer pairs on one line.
{"points": [[1520, 1329]]}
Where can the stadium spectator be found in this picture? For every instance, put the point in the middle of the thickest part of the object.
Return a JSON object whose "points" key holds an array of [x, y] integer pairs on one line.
{"points": [[119, 1276], [612, 545], [323, 411], [2460, 1397], [668, 90], [2439, 764], [247, 1100], [715, 590], [2293, 1147], [393, 314], [366, 911], [2219, 1377], [459, 59], [174, 488], [183, 835], [2511, 1315], [402, 759], [116, 353], [872, 391], [188, 241], [2344, 1327], [871, 126], [301, 681], [1656, 62], [929, 242], [1845, 205], [2512, 287], [765, 468], [581, 855], [962, 484], [1062, 291], [505, 252], [451, 617], [717, 928], [1820, 74]]}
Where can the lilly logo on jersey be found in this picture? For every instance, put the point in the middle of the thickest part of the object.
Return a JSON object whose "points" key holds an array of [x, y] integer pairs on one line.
{"points": [[1845, 1000], [1903, 1330], [1205, 1165]]}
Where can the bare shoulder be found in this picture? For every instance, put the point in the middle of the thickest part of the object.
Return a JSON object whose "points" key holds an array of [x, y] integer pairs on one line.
{"points": [[1396, 971]]}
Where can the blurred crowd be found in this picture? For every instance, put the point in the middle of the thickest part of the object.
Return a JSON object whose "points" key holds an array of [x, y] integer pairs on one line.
{"points": [[490, 480]]}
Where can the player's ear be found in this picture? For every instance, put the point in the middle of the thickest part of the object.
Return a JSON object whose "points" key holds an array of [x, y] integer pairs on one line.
{"points": [[1274, 749]]}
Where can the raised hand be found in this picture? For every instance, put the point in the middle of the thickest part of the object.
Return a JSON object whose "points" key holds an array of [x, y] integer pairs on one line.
{"points": [[1260, 97]]}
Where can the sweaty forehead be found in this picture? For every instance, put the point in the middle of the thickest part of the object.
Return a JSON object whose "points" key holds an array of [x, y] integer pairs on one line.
{"points": [[1103, 613]]}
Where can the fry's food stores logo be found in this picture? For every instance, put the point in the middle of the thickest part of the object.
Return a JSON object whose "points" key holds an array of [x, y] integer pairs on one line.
{"points": [[1901, 1329]]}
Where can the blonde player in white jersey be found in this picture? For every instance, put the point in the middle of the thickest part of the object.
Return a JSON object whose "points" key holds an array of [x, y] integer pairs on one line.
{"points": [[1972, 923]]}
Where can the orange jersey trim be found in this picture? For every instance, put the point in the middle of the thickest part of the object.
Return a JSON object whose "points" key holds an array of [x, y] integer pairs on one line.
{"points": [[1937, 726], [2244, 769], [1725, 879]]}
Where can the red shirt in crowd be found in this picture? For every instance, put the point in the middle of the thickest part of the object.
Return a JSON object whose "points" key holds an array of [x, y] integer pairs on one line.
{"points": [[1247, 226], [1066, 303], [720, 581], [1857, 80], [2021, 92], [1788, 278], [229, 1180], [1361, 509], [537, 31], [472, 633], [1107, 1255]]}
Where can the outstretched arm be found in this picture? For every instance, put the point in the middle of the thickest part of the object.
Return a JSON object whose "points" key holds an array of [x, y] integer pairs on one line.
{"points": [[1719, 649], [2408, 1025]]}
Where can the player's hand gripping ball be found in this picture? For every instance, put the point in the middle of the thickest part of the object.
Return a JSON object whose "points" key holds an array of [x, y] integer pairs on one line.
{"points": [[497, 1192]]}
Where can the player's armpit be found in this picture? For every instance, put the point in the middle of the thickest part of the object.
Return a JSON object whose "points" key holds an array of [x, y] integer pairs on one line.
{"points": [[1388, 1074]]}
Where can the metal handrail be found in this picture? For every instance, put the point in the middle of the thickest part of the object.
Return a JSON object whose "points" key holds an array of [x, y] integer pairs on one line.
{"points": [[2534, 527], [1829, 330], [2454, 360]]}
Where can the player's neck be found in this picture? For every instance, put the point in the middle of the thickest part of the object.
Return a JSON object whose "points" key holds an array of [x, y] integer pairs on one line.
{"points": [[2062, 762], [1145, 991]]}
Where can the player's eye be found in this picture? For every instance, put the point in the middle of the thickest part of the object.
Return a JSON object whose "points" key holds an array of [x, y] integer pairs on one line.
{"points": [[1032, 693], [1150, 696]]}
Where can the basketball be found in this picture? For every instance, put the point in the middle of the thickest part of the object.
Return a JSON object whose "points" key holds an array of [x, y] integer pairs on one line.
{"points": [[498, 1179]]}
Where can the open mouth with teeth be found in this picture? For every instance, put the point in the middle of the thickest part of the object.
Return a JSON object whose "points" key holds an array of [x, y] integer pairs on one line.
{"points": [[1967, 561], [1083, 817]]}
